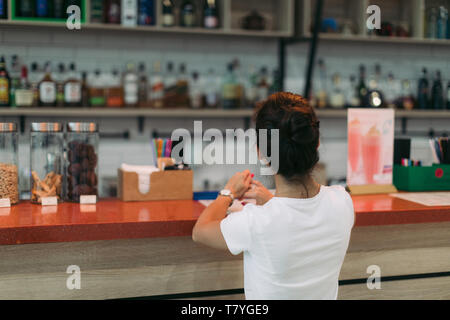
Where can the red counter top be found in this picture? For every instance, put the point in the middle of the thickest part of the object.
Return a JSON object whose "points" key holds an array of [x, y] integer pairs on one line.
{"points": [[113, 219]]}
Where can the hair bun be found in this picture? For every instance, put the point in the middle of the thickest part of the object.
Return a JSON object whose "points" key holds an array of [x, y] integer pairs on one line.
{"points": [[301, 128]]}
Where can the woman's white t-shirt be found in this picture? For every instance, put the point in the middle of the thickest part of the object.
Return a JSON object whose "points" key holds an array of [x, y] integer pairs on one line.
{"points": [[293, 248]]}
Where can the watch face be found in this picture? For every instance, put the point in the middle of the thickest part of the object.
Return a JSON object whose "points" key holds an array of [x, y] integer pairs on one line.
{"points": [[225, 192]]}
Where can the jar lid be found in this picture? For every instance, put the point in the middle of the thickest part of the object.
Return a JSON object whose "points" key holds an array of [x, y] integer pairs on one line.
{"points": [[46, 127], [82, 127], [8, 127]]}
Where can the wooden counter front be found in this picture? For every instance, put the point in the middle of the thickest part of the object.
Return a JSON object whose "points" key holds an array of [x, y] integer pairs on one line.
{"points": [[112, 219]]}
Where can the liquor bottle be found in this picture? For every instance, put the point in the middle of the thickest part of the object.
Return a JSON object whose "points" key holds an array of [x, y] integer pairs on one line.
{"points": [[187, 14], [143, 86], [168, 16], [130, 86], [97, 96], [432, 18], [337, 98], [392, 91], [42, 9], [210, 15], [129, 12], [362, 88], [3, 9], [72, 88], [84, 90], [4, 84], [375, 97], [146, 13], [263, 84], [196, 94], [182, 91], [60, 79], [437, 93], [47, 89], [230, 96], [113, 11], [423, 91], [251, 87], [35, 78], [407, 99], [322, 92], [170, 86], [59, 9], [24, 95], [441, 24], [97, 11], [156, 87], [114, 91], [14, 78], [352, 99], [26, 8], [211, 90]]}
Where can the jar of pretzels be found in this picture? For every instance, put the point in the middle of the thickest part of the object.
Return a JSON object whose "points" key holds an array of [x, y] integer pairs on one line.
{"points": [[47, 161], [82, 160], [9, 181]]}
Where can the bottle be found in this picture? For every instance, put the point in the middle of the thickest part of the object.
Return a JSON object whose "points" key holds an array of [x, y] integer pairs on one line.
{"points": [[3, 9], [182, 91], [448, 95], [168, 16], [362, 88], [392, 91], [423, 91], [24, 94], [47, 89], [230, 97], [263, 84], [196, 93], [143, 86], [84, 90], [375, 97], [156, 87], [432, 18], [210, 15], [14, 78], [42, 9], [352, 97], [251, 88], [60, 79], [211, 90], [131, 86], [441, 25], [337, 98], [97, 11], [146, 13], [59, 9], [113, 11], [322, 92], [4, 84], [129, 12], [187, 14], [114, 91], [407, 100], [26, 8], [97, 90], [437, 93], [35, 78], [72, 88], [170, 86]]}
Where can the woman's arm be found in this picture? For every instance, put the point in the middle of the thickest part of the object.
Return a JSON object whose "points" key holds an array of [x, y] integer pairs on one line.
{"points": [[207, 229]]}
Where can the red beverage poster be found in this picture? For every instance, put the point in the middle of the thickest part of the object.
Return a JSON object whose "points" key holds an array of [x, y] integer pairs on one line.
{"points": [[370, 136]]}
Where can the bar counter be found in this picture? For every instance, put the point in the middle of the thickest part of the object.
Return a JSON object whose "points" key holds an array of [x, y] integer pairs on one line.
{"points": [[144, 249], [113, 219]]}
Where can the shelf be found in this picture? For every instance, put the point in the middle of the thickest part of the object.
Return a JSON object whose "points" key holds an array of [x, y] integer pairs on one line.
{"points": [[190, 113]]}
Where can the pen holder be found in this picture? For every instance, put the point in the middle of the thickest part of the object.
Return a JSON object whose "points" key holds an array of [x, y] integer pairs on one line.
{"points": [[161, 185], [434, 178]]}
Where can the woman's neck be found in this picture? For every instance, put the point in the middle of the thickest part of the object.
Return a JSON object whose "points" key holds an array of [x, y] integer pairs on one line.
{"points": [[301, 188]]}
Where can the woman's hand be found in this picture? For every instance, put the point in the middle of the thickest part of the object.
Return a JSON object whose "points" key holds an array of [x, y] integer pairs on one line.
{"points": [[240, 183], [259, 193]]}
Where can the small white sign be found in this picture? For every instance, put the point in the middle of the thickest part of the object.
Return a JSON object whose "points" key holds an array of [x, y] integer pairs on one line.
{"points": [[5, 203], [49, 201], [88, 199]]}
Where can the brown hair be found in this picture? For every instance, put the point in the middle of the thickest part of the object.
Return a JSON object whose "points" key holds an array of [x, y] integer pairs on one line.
{"points": [[298, 131]]}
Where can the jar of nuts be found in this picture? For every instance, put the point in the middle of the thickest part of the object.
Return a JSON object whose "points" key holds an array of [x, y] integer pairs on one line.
{"points": [[47, 161], [82, 160], [9, 173]]}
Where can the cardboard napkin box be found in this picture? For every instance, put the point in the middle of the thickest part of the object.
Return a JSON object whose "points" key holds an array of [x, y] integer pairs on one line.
{"points": [[163, 185]]}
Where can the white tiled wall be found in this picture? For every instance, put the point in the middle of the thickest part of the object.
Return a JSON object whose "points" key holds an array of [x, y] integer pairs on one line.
{"points": [[105, 50]]}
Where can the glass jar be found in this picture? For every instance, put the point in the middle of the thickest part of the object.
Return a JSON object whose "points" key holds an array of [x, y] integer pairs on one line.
{"points": [[47, 165], [82, 160], [9, 173]]}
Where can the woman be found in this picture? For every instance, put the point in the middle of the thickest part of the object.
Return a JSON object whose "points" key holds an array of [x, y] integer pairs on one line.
{"points": [[294, 243]]}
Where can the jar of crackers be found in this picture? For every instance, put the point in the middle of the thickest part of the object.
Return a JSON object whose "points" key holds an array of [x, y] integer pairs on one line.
{"points": [[47, 162], [9, 181]]}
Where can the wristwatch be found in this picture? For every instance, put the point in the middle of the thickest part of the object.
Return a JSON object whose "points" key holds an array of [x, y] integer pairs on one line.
{"points": [[227, 193]]}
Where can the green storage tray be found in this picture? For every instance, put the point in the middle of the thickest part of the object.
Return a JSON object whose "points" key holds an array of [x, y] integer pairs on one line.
{"points": [[434, 178]]}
